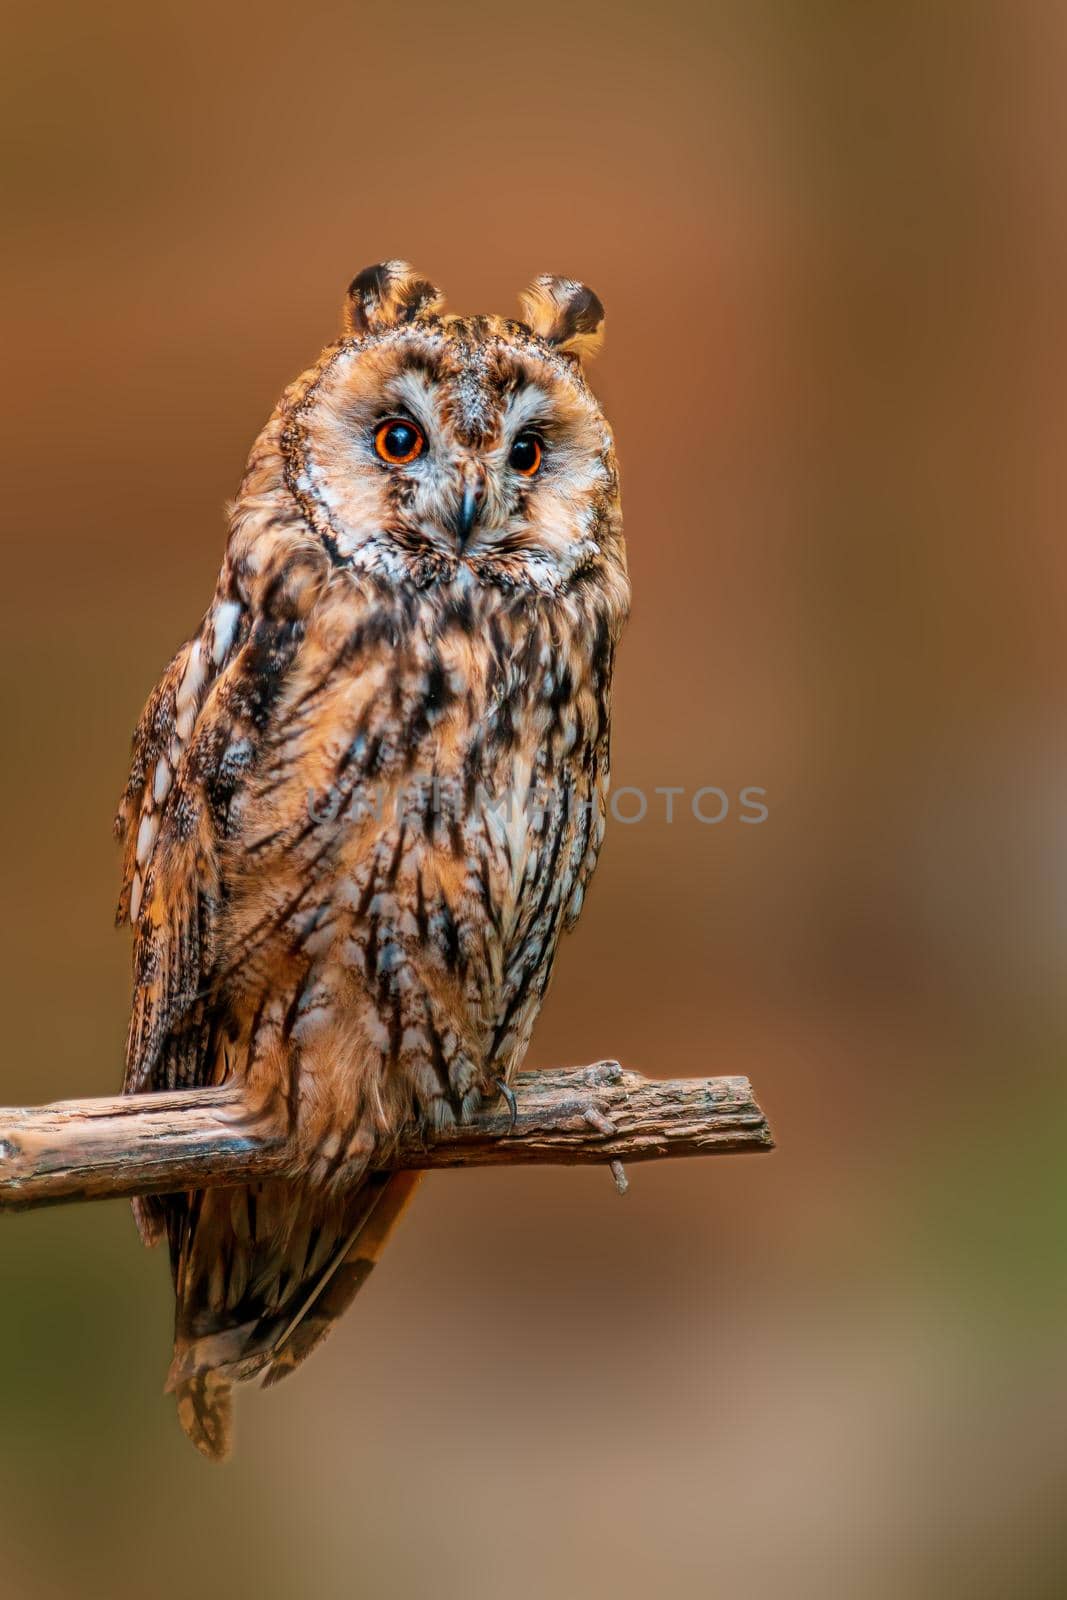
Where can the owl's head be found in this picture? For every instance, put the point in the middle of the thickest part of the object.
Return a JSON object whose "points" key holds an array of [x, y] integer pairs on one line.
{"points": [[421, 443]]}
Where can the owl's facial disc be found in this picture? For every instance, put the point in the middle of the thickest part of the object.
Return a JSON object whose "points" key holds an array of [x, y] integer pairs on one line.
{"points": [[457, 442]]}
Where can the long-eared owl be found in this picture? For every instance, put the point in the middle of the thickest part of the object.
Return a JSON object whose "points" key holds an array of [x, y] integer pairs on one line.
{"points": [[367, 796]]}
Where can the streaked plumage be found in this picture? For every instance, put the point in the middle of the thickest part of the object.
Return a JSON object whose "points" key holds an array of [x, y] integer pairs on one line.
{"points": [[368, 795]]}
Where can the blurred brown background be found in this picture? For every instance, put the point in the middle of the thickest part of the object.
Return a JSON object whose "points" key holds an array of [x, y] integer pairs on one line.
{"points": [[831, 241]]}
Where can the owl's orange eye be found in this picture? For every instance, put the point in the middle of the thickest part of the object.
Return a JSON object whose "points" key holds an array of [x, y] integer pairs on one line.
{"points": [[526, 454], [399, 441]]}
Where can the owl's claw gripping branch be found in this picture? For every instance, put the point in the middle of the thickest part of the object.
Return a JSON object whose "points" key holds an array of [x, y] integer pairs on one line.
{"points": [[512, 1103], [196, 1139]]}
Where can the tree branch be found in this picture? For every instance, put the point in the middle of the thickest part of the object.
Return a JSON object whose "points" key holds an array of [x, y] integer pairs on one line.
{"points": [[207, 1138]]}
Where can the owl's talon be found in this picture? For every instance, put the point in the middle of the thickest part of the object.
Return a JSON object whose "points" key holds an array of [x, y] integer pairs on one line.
{"points": [[513, 1105]]}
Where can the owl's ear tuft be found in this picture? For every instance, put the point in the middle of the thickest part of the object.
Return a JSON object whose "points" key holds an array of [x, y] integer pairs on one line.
{"points": [[382, 296], [565, 314]]}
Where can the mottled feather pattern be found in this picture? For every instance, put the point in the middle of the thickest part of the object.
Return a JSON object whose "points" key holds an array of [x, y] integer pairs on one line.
{"points": [[367, 797]]}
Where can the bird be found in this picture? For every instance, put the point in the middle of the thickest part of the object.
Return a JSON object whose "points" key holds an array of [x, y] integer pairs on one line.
{"points": [[367, 796]]}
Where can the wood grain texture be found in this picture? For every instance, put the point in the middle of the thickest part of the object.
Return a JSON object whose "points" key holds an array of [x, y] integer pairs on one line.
{"points": [[209, 1138]]}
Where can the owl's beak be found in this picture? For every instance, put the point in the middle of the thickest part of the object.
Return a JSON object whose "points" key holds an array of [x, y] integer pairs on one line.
{"points": [[469, 506]]}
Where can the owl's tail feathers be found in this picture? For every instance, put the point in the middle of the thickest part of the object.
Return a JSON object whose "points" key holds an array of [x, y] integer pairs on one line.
{"points": [[354, 1264], [261, 1281], [205, 1411]]}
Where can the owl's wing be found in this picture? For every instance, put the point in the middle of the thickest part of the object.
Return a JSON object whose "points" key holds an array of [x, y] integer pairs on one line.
{"points": [[196, 740], [169, 828], [588, 839], [593, 781]]}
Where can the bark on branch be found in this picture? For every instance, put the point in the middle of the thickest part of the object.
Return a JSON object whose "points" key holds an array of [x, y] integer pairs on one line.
{"points": [[208, 1138]]}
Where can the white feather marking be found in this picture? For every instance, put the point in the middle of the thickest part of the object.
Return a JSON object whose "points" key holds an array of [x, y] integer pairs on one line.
{"points": [[226, 615], [412, 392], [146, 836], [192, 678], [377, 1032], [311, 1021], [532, 404], [162, 781], [188, 692], [135, 896]]}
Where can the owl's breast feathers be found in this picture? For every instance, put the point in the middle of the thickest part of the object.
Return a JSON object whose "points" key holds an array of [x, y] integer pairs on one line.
{"points": [[358, 819]]}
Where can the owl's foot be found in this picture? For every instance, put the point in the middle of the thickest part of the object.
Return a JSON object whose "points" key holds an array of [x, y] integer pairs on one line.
{"points": [[511, 1102]]}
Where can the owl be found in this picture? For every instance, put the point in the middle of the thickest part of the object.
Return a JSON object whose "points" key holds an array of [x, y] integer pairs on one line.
{"points": [[368, 795]]}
